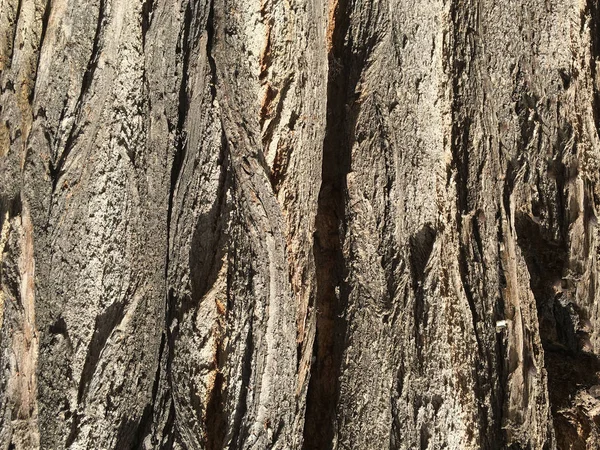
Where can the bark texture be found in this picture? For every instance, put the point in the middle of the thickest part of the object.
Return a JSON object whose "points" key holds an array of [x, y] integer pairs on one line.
{"points": [[299, 224]]}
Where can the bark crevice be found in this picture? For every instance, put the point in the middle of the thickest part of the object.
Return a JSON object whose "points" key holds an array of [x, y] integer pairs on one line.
{"points": [[331, 291]]}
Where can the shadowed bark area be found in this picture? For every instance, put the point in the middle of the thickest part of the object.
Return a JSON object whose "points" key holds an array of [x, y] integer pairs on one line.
{"points": [[323, 224]]}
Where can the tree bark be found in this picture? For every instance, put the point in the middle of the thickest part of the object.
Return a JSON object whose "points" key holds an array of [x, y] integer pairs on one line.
{"points": [[325, 224]]}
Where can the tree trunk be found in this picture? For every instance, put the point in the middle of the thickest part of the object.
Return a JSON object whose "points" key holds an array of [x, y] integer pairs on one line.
{"points": [[325, 224]]}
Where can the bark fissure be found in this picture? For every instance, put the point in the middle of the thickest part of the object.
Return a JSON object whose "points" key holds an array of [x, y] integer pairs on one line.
{"points": [[210, 45], [176, 167], [147, 12], [331, 292]]}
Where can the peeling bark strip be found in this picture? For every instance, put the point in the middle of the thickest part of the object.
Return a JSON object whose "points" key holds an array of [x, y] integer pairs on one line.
{"points": [[299, 224]]}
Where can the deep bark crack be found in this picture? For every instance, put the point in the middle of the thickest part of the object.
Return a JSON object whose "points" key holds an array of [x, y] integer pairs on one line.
{"points": [[331, 295]]}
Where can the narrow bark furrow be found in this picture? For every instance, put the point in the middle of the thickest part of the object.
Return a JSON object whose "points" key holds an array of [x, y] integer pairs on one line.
{"points": [[468, 170], [331, 292]]}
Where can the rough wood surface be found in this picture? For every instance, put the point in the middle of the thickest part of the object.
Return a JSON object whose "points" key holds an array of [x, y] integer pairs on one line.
{"points": [[299, 224]]}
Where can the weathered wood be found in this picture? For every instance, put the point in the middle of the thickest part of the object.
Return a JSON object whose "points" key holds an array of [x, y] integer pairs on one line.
{"points": [[299, 224]]}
